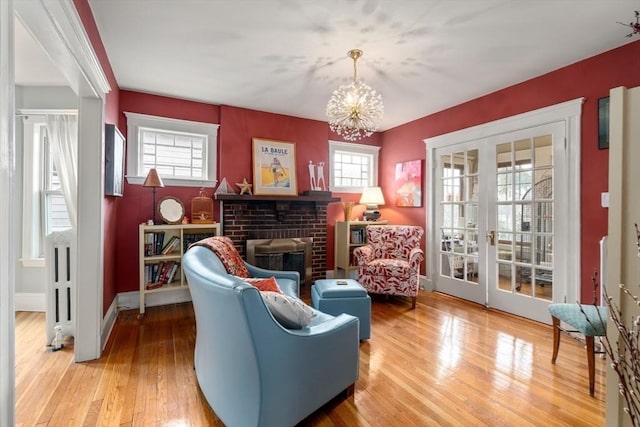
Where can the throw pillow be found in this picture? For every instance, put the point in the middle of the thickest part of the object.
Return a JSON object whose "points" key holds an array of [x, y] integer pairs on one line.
{"points": [[290, 312], [265, 284]]}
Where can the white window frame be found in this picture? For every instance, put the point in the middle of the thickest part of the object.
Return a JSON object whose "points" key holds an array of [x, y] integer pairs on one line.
{"points": [[33, 199], [358, 149], [135, 174]]}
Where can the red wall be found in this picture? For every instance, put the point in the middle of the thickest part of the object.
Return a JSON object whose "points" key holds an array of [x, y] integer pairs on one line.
{"points": [[591, 78]]}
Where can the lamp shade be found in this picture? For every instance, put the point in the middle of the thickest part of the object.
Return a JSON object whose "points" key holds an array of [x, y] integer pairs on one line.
{"points": [[372, 196], [153, 179]]}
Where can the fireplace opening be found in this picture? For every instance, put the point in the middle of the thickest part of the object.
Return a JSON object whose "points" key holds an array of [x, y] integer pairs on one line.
{"points": [[288, 254]]}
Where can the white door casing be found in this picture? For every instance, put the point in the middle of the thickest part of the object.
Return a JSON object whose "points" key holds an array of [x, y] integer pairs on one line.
{"points": [[7, 222]]}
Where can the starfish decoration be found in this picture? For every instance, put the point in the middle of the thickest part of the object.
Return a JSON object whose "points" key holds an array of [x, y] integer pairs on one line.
{"points": [[245, 187]]}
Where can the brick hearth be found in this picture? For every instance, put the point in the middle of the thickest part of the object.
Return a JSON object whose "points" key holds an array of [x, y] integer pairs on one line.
{"points": [[255, 218]]}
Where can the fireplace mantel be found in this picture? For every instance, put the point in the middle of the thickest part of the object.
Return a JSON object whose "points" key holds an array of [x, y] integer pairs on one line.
{"points": [[285, 199]]}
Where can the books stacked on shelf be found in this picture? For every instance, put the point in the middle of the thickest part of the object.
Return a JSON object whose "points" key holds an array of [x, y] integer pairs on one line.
{"points": [[189, 238], [153, 243], [357, 236], [157, 275], [171, 245]]}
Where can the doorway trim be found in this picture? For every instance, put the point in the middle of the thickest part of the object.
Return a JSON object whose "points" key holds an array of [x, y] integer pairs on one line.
{"points": [[7, 201], [57, 26], [569, 112]]}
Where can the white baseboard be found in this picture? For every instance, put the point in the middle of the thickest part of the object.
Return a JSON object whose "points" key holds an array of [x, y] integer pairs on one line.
{"points": [[131, 300], [425, 283], [108, 321], [24, 301]]}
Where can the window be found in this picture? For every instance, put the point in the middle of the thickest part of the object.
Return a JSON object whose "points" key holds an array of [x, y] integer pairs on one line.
{"points": [[56, 215], [183, 152], [44, 208], [353, 166]]}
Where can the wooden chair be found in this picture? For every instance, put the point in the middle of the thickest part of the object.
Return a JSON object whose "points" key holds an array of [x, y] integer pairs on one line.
{"points": [[589, 320]]}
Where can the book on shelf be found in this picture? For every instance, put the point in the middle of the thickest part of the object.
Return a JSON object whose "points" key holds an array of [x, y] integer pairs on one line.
{"points": [[154, 285], [172, 271], [148, 244], [153, 243], [189, 238], [357, 236], [164, 272], [171, 245], [158, 239]]}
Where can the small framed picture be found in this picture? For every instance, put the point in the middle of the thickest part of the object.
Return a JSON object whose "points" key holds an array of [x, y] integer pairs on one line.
{"points": [[274, 168], [114, 144], [603, 123]]}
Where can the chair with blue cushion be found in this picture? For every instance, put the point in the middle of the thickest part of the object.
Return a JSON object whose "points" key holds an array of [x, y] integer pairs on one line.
{"points": [[589, 320]]}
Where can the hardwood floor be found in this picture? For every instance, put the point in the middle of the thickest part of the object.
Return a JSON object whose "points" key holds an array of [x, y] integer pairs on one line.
{"points": [[446, 363]]}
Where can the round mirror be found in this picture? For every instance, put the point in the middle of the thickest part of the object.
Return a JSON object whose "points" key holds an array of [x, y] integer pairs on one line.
{"points": [[171, 209]]}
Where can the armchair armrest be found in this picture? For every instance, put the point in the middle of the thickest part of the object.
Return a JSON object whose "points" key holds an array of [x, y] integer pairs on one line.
{"points": [[363, 254], [416, 256], [331, 326]]}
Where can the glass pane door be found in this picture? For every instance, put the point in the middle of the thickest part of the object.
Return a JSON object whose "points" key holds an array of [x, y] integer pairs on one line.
{"points": [[460, 266], [521, 263]]}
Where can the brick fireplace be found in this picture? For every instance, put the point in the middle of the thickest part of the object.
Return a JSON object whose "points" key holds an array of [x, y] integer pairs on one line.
{"points": [[256, 217]]}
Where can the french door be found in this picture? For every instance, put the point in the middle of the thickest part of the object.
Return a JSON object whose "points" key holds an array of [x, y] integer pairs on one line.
{"points": [[461, 223], [496, 207]]}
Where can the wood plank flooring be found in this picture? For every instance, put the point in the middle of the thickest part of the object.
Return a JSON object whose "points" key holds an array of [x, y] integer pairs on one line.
{"points": [[446, 363]]}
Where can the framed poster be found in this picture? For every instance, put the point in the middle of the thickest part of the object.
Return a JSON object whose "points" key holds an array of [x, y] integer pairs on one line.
{"points": [[603, 123], [113, 161], [274, 167], [409, 184]]}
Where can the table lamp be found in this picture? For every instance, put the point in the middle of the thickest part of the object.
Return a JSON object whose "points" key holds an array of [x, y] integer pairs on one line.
{"points": [[372, 197], [153, 180]]}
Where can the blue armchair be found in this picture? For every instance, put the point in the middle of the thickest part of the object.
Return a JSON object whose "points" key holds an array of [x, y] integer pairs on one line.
{"points": [[253, 371]]}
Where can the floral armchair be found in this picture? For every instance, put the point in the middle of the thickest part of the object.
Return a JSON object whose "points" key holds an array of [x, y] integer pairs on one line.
{"points": [[390, 261]]}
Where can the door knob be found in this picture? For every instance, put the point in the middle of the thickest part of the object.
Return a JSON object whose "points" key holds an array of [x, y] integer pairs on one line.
{"points": [[492, 237]]}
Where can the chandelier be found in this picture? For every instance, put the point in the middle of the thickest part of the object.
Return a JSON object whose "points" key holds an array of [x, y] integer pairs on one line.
{"points": [[354, 109]]}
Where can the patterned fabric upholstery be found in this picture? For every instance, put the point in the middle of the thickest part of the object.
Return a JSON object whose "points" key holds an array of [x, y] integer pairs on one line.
{"points": [[390, 261], [590, 320], [223, 247]]}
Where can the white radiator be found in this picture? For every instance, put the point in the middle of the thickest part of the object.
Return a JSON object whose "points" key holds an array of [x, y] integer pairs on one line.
{"points": [[61, 282]]}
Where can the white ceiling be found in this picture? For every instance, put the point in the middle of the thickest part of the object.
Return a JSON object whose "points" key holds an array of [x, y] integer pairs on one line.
{"points": [[287, 56], [32, 66]]}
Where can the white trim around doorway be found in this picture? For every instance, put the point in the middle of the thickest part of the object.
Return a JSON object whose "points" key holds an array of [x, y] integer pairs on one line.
{"points": [[569, 112]]}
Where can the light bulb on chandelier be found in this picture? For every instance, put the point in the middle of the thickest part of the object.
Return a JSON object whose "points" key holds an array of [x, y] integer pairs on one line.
{"points": [[354, 109]]}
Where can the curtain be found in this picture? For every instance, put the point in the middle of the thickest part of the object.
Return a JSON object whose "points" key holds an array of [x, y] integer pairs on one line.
{"points": [[62, 130]]}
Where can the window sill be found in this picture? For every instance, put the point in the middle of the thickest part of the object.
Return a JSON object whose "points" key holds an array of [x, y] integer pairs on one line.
{"points": [[174, 182]]}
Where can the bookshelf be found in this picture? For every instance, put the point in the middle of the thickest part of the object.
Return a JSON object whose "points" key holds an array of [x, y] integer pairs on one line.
{"points": [[161, 250], [348, 236]]}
